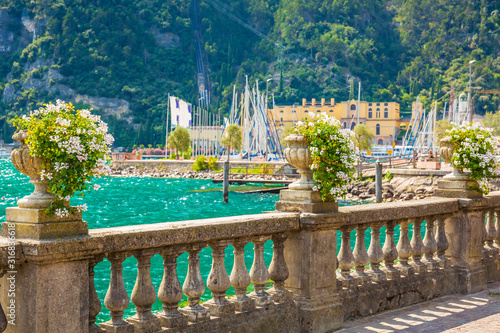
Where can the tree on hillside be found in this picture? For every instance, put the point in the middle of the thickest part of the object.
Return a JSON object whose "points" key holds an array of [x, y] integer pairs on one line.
{"points": [[492, 120], [179, 140], [232, 139], [363, 137], [441, 127]]}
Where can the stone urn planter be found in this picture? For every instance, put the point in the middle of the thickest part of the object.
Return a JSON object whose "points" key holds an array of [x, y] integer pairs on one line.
{"points": [[297, 154], [446, 149], [30, 166]]}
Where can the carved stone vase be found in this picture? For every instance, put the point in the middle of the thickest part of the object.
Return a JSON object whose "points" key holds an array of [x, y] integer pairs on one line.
{"points": [[30, 166], [456, 184], [300, 195], [298, 155], [446, 149]]}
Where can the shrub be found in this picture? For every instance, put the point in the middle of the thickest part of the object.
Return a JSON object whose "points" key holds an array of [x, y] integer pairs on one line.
{"points": [[200, 163], [212, 163]]}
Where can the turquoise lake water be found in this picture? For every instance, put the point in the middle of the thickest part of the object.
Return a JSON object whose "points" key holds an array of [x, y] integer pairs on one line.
{"points": [[134, 201]]}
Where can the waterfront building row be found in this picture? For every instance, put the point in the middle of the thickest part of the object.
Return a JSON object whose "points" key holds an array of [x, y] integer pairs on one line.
{"points": [[383, 118]]}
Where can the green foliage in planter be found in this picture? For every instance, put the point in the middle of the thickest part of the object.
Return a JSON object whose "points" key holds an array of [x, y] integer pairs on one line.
{"points": [[74, 146], [475, 149], [333, 154]]}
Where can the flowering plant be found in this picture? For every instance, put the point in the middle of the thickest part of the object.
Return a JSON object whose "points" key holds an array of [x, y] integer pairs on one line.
{"points": [[475, 149], [333, 154], [74, 146]]}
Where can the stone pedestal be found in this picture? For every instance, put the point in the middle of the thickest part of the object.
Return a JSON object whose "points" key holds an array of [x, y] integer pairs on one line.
{"points": [[49, 297], [307, 201], [464, 232], [310, 256], [51, 291], [464, 188], [36, 224]]}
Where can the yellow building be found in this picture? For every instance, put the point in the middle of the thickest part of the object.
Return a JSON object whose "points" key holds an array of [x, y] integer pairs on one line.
{"points": [[381, 117]]}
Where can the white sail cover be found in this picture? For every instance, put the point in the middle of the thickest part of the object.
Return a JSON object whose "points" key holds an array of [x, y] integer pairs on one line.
{"points": [[180, 111]]}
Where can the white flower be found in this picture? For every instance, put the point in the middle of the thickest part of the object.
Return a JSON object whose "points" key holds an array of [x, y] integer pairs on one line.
{"points": [[82, 208]]}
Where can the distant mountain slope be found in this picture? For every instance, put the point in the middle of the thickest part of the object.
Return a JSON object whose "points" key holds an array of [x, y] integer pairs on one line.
{"points": [[133, 53]]}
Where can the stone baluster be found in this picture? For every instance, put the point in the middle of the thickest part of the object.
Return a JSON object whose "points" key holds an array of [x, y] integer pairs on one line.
{"points": [[430, 245], [240, 279], [345, 257], [94, 302], [404, 249], [218, 281], [144, 295], [259, 274], [170, 291], [116, 299], [497, 228], [375, 253], [278, 270], [490, 230], [390, 251], [360, 253], [417, 246], [441, 241], [194, 287]]}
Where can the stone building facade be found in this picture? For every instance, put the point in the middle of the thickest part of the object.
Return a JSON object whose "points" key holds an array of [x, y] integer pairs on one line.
{"points": [[383, 118]]}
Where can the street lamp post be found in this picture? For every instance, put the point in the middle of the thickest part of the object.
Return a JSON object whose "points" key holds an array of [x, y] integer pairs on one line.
{"points": [[469, 100]]}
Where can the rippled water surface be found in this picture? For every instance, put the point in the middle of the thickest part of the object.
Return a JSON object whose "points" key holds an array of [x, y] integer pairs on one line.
{"points": [[133, 201]]}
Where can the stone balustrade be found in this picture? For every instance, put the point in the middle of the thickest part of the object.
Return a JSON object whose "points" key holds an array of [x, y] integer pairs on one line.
{"points": [[429, 248]]}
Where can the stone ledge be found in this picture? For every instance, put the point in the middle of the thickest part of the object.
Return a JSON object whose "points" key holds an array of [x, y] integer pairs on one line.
{"points": [[417, 172], [278, 318], [29, 215], [373, 213], [46, 231], [171, 233], [319, 207]]}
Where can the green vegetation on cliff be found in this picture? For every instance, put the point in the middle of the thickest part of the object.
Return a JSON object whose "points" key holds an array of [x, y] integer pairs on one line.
{"points": [[141, 51]]}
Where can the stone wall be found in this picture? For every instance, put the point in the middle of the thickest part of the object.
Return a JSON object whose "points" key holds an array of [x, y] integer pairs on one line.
{"points": [[315, 287]]}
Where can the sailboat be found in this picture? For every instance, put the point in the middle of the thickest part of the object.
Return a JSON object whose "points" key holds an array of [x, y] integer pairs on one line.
{"points": [[260, 136]]}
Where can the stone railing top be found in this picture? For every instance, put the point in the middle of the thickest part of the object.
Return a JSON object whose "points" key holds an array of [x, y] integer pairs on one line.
{"points": [[172, 233], [131, 238], [379, 213]]}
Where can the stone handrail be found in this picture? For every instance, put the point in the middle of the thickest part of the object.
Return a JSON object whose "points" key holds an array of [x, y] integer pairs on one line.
{"points": [[459, 252]]}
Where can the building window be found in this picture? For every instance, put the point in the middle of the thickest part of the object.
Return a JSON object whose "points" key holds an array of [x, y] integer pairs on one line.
{"points": [[318, 111], [345, 124], [369, 104], [378, 113], [352, 125], [378, 104], [293, 111], [281, 119], [331, 111], [282, 111], [386, 104], [386, 113], [353, 107], [306, 111], [370, 113], [380, 142], [377, 129]]}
